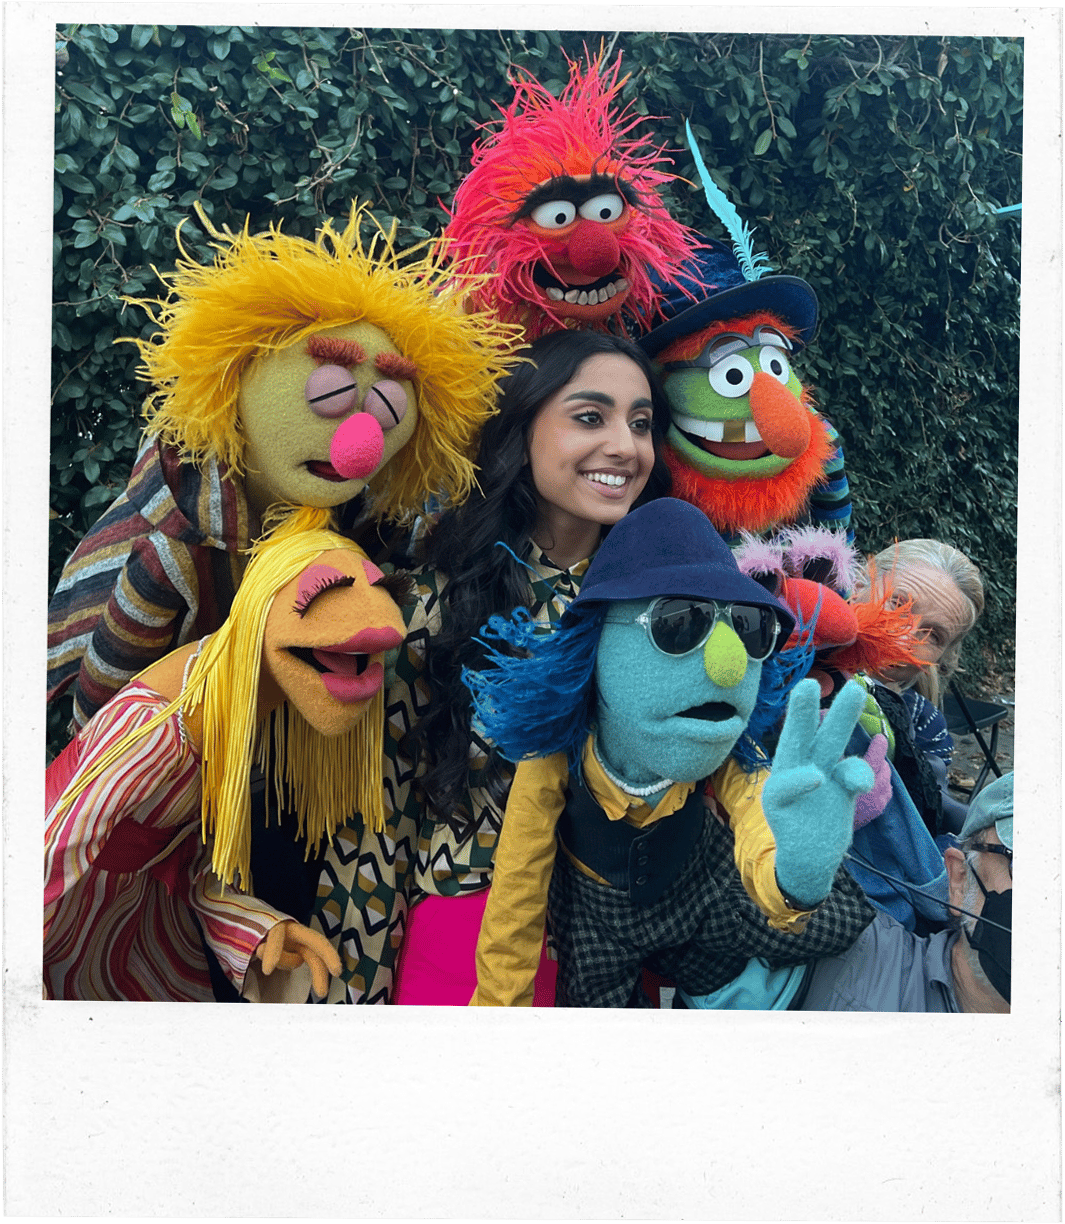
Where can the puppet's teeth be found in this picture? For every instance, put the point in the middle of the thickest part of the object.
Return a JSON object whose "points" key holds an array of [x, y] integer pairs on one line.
{"points": [[750, 432], [712, 431], [611, 291], [555, 295], [622, 284], [582, 298], [571, 297]]}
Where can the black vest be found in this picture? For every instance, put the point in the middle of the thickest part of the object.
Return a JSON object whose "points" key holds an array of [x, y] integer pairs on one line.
{"points": [[641, 862]]}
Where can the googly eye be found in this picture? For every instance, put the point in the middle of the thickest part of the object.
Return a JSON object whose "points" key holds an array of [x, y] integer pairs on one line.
{"points": [[555, 214], [606, 207], [331, 391], [732, 377], [386, 402], [773, 361]]}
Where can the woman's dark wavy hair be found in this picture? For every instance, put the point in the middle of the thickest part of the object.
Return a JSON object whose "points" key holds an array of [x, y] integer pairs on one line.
{"points": [[484, 580]]}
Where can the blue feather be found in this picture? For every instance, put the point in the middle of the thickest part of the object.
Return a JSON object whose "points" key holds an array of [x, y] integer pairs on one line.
{"points": [[752, 264], [542, 700]]}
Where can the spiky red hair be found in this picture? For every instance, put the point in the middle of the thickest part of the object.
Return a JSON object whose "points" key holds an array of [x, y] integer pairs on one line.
{"points": [[540, 137]]}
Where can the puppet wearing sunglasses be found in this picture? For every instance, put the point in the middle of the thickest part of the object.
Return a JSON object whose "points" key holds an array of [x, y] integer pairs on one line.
{"points": [[632, 826]]}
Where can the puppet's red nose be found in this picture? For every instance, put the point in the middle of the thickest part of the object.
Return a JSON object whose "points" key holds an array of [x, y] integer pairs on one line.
{"points": [[357, 446], [593, 249]]}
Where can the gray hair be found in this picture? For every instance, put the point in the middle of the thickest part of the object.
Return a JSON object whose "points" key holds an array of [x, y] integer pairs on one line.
{"points": [[897, 559]]}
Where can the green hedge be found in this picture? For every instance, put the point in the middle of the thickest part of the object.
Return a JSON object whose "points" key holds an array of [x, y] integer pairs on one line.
{"points": [[873, 167]]}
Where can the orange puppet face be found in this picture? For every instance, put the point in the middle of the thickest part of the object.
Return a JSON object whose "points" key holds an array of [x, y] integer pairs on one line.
{"points": [[326, 636]]}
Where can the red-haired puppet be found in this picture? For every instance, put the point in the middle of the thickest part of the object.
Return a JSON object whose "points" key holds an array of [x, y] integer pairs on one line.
{"points": [[747, 445], [561, 210]]}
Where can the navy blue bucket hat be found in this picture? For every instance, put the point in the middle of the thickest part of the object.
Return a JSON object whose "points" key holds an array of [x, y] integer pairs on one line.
{"points": [[668, 547], [712, 287]]}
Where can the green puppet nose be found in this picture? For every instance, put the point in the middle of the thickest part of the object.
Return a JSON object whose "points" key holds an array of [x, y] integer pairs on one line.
{"points": [[724, 657]]}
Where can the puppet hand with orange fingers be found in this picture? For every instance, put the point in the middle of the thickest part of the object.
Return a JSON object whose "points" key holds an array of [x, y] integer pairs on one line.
{"points": [[290, 944]]}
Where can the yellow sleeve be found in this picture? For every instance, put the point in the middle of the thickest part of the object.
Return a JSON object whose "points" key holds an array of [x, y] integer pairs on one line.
{"points": [[512, 930], [739, 795]]}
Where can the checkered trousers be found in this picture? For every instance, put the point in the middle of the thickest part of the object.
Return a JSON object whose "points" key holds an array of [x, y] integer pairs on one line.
{"points": [[700, 933]]}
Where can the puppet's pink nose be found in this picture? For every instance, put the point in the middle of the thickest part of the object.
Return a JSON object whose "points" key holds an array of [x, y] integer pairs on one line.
{"points": [[357, 446], [593, 249]]}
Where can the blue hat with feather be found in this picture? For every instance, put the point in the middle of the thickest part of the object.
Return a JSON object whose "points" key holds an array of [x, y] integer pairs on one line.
{"points": [[720, 282]]}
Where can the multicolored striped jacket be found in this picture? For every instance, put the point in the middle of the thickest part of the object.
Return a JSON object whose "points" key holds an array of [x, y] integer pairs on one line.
{"points": [[158, 569]]}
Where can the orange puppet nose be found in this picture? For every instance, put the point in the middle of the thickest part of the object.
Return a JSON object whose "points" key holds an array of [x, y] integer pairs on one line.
{"points": [[593, 249], [781, 419]]}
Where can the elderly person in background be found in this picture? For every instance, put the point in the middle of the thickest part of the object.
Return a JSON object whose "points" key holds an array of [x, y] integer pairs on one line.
{"points": [[963, 969], [948, 596]]}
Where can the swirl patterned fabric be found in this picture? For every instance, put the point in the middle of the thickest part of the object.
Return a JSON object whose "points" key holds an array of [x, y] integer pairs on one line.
{"points": [[369, 880]]}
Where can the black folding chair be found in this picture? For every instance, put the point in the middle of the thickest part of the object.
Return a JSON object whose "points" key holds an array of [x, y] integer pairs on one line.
{"points": [[967, 716]]}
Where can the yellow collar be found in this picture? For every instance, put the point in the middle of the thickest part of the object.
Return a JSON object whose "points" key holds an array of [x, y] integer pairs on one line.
{"points": [[621, 806]]}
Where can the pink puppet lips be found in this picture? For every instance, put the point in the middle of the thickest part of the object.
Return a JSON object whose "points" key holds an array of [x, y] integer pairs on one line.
{"points": [[348, 673]]}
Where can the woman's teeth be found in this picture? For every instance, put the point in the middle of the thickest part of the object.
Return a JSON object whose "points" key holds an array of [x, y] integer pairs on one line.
{"points": [[606, 478]]}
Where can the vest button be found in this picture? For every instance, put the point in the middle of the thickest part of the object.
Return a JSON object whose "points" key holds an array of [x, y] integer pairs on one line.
{"points": [[641, 879]]}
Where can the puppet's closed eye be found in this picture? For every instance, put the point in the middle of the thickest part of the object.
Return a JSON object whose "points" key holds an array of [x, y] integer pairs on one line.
{"points": [[314, 581]]}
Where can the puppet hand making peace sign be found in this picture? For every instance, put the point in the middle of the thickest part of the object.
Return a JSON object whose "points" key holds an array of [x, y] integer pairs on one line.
{"points": [[811, 793]]}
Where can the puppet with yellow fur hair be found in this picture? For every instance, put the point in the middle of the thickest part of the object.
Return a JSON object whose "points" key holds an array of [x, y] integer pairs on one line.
{"points": [[148, 831], [313, 373]]}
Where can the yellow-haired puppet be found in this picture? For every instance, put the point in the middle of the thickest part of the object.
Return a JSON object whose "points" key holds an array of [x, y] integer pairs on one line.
{"points": [[148, 829], [286, 371]]}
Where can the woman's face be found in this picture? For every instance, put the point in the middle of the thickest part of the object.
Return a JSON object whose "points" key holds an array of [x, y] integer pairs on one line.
{"points": [[590, 445], [943, 612]]}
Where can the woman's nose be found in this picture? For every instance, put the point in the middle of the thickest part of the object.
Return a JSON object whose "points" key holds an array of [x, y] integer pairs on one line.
{"points": [[621, 442]]}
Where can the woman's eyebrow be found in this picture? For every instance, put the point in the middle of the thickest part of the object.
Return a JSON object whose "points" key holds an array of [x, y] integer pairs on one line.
{"points": [[597, 397], [600, 397]]}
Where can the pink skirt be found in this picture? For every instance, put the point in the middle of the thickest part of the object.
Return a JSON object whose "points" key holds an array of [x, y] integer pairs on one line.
{"points": [[437, 964]]}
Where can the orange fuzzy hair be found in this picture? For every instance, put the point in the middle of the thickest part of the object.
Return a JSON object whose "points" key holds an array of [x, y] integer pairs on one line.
{"points": [[885, 626], [753, 503], [269, 291], [541, 137]]}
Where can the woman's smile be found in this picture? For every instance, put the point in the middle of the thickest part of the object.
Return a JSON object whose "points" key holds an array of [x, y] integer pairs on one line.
{"points": [[591, 451]]}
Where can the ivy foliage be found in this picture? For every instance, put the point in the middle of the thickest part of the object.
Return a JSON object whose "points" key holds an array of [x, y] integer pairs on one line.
{"points": [[872, 167]]}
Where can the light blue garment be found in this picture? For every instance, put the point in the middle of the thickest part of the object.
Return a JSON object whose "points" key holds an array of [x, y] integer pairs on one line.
{"points": [[898, 842], [758, 988]]}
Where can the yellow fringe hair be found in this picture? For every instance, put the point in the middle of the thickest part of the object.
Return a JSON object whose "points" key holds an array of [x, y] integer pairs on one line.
{"points": [[269, 291], [328, 779]]}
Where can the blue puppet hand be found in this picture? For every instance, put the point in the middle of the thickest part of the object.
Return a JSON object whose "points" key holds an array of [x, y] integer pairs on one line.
{"points": [[811, 793]]}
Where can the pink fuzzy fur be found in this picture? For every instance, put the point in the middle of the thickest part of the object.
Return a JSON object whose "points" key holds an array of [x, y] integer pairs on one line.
{"points": [[757, 556], [803, 544]]}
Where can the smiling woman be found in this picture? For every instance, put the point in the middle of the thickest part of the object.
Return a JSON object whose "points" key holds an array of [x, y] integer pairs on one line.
{"points": [[573, 447]]}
